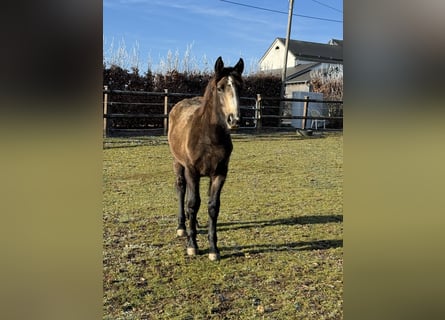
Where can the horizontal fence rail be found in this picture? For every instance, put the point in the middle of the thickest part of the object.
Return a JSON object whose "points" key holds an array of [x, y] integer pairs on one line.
{"points": [[257, 112]]}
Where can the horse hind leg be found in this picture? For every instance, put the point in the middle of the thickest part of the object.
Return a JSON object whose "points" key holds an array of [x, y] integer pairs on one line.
{"points": [[180, 185]]}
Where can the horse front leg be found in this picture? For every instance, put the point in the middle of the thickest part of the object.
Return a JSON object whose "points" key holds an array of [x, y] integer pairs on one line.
{"points": [[193, 203], [180, 185], [217, 183]]}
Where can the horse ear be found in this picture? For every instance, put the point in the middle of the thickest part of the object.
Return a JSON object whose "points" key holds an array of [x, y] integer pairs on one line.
{"points": [[239, 66], [219, 65]]}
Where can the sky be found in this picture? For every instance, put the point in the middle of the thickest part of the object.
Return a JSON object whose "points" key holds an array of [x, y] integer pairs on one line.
{"points": [[143, 32]]}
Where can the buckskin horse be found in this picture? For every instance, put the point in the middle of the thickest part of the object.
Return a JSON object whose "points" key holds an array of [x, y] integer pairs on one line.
{"points": [[199, 139]]}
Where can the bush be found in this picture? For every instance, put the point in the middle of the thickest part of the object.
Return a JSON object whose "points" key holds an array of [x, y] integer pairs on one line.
{"points": [[331, 85]]}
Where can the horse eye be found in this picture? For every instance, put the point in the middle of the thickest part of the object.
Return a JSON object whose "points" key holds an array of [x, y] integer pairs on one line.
{"points": [[221, 88]]}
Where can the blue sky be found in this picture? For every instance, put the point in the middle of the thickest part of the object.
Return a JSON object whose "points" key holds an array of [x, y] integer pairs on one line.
{"points": [[149, 29]]}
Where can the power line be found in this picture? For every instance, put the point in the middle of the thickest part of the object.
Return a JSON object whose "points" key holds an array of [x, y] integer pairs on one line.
{"points": [[327, 6], [277, 11]]}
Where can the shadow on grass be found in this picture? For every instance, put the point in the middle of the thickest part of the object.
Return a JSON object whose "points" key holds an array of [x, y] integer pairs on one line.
{"points": [[242, 251], [319, 219]]}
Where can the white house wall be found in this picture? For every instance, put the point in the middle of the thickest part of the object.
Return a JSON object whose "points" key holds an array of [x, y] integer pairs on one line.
{"points": [[292, 87], [274, 58]]}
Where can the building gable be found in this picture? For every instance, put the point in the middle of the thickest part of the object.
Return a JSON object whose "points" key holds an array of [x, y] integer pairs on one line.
{"points": [[274, 56]]}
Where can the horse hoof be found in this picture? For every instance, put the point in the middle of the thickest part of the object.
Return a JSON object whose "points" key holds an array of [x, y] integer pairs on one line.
{"points": [[180, 233], [214, 256], [191, 251]]}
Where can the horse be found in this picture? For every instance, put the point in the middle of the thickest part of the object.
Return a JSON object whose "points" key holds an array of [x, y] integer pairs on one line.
{"points": [[200, 142]]}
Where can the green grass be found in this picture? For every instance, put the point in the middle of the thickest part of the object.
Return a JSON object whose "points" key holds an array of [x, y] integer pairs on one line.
{"points": [[280, 233]]}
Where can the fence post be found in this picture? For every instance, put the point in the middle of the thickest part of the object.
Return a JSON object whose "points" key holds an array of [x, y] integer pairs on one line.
{"points": [[105, 110], [258, 112], [166, 112], [305, 109]]}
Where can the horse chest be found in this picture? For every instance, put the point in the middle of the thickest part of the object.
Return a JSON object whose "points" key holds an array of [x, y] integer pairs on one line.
{"points": [[211, 160]]}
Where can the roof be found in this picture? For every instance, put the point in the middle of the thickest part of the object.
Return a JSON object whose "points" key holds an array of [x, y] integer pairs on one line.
{"points": [[313, 51], [300, 72], [303, 75]]}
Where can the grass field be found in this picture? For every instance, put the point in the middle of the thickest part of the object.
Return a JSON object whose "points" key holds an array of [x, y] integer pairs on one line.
{"points": [[280, 233]]}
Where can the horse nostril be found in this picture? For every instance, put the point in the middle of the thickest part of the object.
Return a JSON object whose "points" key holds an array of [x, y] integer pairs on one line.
{"points": [[232, 120]]}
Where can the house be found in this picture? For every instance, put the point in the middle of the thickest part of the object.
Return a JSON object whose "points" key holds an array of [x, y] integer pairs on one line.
{"points": [[303, 58]]}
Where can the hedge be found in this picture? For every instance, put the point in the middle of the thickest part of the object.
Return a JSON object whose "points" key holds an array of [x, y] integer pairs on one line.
{"points": [[117, 78]]}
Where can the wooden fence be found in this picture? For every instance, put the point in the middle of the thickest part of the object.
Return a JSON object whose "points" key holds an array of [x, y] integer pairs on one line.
{"points": [[257, 113]]}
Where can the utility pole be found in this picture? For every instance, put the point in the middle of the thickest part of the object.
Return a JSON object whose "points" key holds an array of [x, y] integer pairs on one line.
{"points": [[286, 50]]}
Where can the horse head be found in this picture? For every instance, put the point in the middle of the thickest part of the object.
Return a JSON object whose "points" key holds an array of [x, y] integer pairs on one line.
{"points": [[228, 82]]}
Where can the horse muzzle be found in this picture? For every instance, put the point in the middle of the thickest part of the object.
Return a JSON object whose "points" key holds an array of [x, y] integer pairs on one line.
{"points": [[232, 121]]}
